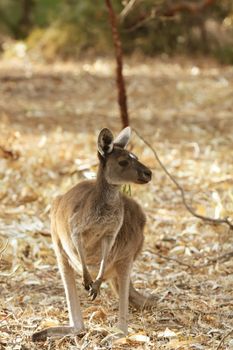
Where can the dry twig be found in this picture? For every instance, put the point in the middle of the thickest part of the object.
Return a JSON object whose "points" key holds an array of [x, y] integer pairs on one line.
{"points": [[223, 257], [224, 338], [182, 192], [170, 259]]}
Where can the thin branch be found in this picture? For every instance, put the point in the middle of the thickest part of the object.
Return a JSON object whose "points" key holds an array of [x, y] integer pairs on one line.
{"points": [[179, 262], [224, 338], [223, 257], [183, 308], [170, 11], [122, 98], [126, 10], [142, 21], [185, 6], [182, 192]]}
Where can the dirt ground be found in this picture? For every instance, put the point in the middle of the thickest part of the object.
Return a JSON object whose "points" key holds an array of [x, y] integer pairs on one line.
{"points": [[50, 116]]}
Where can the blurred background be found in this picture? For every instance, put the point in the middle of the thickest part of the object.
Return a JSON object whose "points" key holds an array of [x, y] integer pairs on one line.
{"points": [[57, 90], [69, 28]]}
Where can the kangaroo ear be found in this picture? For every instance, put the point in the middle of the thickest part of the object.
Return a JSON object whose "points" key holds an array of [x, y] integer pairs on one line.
{"points": [[105, 142], [123, 138]]}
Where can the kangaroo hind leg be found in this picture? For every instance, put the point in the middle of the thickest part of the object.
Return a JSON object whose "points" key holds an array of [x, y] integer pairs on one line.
{"points": [[76, 324], [121, 285]]}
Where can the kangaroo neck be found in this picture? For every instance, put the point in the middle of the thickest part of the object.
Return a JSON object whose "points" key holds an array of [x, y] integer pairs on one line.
{"points": [[106, 193]]}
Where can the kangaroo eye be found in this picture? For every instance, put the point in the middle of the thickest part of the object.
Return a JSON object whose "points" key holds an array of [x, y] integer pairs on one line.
{"points": [[123, 162]]}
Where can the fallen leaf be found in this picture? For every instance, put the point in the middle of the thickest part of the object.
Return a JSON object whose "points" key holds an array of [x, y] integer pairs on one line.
{"points": [[95, 313], [168, 333], [139, 337]]}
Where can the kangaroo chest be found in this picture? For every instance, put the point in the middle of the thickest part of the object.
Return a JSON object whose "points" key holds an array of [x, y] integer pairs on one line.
{"points": [[103, 221]]}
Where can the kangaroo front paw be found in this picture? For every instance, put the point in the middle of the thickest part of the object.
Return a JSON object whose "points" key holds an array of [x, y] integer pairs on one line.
{"points": [[87, 281], [95, 288]]}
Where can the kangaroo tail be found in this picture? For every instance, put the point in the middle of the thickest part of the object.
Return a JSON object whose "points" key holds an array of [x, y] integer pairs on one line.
{"points": [[140, 301], [136, 299]]}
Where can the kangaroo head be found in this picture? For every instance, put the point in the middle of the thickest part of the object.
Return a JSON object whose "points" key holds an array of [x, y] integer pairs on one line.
{"points": [[119, 165]]}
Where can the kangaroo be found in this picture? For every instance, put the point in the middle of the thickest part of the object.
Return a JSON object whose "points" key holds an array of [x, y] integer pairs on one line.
{"points": [[98, 231]]}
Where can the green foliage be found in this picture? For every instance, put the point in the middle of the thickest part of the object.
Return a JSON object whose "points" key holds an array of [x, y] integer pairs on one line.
{"points": [[78, 26], [9, 16], [55, 41], [45, 12], [224, 54], [89, 21], [126, 189]]}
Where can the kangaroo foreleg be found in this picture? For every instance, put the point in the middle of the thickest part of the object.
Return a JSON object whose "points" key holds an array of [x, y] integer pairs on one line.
{"points": [[106, 245], [77, 240], [140, 301]]}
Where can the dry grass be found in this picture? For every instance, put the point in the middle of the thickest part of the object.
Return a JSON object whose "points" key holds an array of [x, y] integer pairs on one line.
{"points": [[50, 116]]}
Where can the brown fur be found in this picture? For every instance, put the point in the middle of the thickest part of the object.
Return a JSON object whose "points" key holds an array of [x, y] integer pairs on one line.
{"points": [[98, 231]]}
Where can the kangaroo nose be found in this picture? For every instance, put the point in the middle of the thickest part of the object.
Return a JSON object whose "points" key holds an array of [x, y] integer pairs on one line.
{"points": [[147, 173]]}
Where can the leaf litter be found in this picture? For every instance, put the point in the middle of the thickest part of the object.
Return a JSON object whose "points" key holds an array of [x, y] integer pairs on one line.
{"points": [[49, 121]]}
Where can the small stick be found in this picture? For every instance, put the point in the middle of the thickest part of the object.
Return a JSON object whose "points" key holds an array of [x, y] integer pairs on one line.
{"points": [[224, 338], [171, 259]]}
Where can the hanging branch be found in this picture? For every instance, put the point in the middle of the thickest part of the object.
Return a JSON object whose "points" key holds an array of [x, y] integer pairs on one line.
{"points": [[185, 6], [122, 98], [168, 10], [182, 192]]}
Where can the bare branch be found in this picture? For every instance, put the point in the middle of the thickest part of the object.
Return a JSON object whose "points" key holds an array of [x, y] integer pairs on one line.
{"points": [[224, 257], [226, 220], [142, 21], [170, 10], [185, 6], [122, 98], [179, 262]]}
